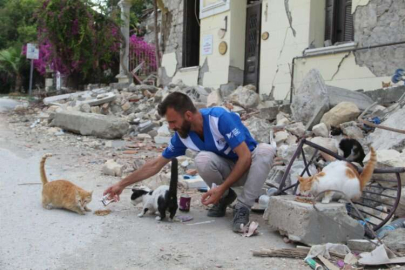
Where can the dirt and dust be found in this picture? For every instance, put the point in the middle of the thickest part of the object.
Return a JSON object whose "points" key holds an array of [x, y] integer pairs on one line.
{"points": [[36, 238]]}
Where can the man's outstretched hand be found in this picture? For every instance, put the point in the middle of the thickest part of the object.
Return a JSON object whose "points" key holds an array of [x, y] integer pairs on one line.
{"points": [[114, 192], [212, 196]]}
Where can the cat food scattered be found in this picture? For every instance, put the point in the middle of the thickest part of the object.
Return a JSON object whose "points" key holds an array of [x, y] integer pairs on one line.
{"points": [[102, 212], [303, 200]]}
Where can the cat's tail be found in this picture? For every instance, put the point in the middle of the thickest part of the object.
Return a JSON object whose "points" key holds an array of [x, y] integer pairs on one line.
{"points": [[42, 169], [174, 177], [368, 170]]}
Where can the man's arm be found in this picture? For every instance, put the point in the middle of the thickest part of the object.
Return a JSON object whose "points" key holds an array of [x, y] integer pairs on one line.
{"points": [[241, 166], [149, 169]]}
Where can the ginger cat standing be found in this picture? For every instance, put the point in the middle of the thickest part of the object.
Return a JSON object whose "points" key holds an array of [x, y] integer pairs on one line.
{"points": [[63, 194], [341, 176]]}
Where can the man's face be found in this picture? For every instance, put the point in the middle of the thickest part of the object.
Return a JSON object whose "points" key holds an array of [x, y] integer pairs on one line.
{"points": [[178, 122]]}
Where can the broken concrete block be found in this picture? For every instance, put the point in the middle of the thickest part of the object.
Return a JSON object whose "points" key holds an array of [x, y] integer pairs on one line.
{"points": [[300, 222], [341, 113], [395, 240], [162, 139], [126, 106], [164, 131], [269, 113], [281, 136], [95, 109], [291, 140], [386, 96], [338, 95], [321, 130], [102, 126], [214, 99], [328, 143], [259, 129], [86, 108], [286, 152], [297, 129], [351, 130], [385, 139], [317, 116], [112, 168], [311, 95], [361, 245], [244, 96]]}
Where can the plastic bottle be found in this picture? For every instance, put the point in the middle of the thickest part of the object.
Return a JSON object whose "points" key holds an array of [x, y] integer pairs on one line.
{"points": [[399, 223]]}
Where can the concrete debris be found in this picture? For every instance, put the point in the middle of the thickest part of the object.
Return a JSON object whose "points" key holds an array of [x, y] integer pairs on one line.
{"points": [[112, 168], [321, 130], [259, 128], [384, 139], [281, 136], [106, 127], [395, 240], [214, 99], [297, 129], [300, 222], [328, 143], [341, 113], [282, 119], [351, 130], [245, 96]]}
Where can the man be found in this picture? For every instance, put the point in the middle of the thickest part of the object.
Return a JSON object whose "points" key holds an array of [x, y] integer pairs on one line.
{"points": [[228, 156]]}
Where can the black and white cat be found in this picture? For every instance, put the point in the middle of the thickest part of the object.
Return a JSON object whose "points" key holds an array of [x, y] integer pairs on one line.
{"points": [[352, 150], [161, 200]]}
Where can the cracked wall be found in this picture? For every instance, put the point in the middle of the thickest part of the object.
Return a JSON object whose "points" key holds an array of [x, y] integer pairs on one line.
{"points": [[380, 22]]}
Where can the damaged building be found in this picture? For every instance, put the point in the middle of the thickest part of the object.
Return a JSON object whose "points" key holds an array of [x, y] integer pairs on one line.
{"points": [[356, 44]]}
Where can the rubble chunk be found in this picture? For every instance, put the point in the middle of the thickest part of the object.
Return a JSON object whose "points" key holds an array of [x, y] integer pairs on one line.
{"points": [[298, 129], [112, 168], [244, 96], [352, 130], [341, 113], [102, 126], [321, 130], [302, 223]]}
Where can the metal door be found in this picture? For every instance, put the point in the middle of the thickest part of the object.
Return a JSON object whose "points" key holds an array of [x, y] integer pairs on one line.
{"points": [[252, 48]]}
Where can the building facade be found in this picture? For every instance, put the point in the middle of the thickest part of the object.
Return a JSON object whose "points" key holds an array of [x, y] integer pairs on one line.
{"points": [[355, 44]]}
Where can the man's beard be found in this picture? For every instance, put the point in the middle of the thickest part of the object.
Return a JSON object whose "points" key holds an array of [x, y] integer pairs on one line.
{"points": [[184, 130]]}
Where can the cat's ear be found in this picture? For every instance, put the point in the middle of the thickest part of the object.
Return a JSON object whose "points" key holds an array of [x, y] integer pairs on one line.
{"points": [[300, 179]]}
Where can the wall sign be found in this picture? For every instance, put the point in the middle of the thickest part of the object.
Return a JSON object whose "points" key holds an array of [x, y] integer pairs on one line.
{"points": [[207, 45]]}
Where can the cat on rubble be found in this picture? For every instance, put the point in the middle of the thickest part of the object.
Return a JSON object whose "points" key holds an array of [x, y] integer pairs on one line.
{"points": [[352, 150], [160, 200], [63, 194], [341, 176]]}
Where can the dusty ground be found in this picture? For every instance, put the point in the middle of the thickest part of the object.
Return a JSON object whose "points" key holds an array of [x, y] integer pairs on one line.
{"points": [[35, 238]]}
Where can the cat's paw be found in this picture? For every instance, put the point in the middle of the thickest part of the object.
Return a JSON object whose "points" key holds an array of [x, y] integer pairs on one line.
{"points": [[158, 218], [87, 209], [140, 215]]}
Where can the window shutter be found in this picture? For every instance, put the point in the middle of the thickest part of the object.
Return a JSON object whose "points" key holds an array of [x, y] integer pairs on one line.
{"points": [[329, 19], [348, 27]]}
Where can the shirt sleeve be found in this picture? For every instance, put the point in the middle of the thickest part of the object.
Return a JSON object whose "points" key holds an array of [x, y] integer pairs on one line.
{"points": [[230, 126], [175, 148]]}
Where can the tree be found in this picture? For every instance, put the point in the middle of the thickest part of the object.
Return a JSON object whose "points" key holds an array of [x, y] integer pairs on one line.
{"points": [[86, 40], [11, 63]]}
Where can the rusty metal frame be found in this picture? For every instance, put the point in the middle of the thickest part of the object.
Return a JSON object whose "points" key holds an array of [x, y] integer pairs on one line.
{"points": [[282, 189]]}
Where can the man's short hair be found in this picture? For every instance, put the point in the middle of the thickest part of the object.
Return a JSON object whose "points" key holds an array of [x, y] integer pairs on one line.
{"points": [[178, 101]]}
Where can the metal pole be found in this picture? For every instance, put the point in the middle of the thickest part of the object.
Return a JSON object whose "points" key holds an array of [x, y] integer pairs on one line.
{"points": [[31, 73]]}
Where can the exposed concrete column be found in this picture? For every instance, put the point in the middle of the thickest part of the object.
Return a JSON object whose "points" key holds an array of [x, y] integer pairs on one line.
{"points": [[122, 77]]}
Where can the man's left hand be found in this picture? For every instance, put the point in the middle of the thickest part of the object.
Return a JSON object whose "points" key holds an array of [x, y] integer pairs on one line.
{"points": [[212, 196]]}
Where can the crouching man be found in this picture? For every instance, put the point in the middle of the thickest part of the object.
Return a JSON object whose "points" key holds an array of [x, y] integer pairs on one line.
{"points": [[228, 156]]}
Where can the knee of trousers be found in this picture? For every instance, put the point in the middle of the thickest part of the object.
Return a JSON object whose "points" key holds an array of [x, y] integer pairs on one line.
{"points": [[265, 152], [204, 160]]}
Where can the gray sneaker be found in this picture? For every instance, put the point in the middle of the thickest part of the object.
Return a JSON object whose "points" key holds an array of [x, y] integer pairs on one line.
{"points": [[240, 218], [219, 209]]}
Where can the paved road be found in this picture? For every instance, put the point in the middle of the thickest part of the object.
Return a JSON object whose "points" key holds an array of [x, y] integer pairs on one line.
{"points": [[7, 104]]}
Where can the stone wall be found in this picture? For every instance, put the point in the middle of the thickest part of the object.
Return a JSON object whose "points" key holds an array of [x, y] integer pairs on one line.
{"points": [[171, 36], [380, 22]]}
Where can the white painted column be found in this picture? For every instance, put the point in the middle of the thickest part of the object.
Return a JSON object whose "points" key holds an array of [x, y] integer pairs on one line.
{"points": [[125, 6]]}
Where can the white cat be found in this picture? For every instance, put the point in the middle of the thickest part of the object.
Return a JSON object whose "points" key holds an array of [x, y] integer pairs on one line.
{"points": [[341, 176]]}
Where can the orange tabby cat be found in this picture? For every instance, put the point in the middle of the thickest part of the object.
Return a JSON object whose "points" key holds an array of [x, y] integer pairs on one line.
{"points": [[63, 194]]}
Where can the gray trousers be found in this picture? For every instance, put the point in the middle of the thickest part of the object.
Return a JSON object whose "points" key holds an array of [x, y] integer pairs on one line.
{"points": [[215, 169]]}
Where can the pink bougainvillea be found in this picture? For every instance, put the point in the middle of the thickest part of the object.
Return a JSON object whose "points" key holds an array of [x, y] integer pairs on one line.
{"points": [[141, 51]]}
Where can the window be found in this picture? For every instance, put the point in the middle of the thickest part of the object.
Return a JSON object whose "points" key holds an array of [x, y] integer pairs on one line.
{"points": [[338, 21], [191, 34]]}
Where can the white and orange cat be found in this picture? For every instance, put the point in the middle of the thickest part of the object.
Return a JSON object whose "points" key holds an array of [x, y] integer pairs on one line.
{"points": [[341, 176], [63, 194]]}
